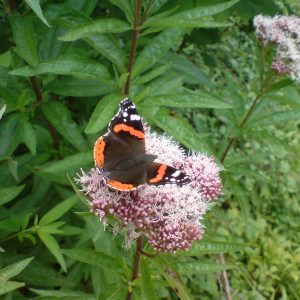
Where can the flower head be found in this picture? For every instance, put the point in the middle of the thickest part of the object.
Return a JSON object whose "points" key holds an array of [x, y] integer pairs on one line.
{"points": [[169, 216], [284, 33]]}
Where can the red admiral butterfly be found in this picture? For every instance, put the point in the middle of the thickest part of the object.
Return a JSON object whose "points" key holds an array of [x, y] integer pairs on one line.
{"points": [[121, 156]]}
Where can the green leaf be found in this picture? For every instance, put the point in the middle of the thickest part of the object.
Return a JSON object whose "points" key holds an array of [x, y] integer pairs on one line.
{"points": [[9, 193], [95, 258], [126, 7], [69, 64], [155, 50], [59, 210], [71, 162], [293, 102], [209, 247], [74, 87], [198, 99], [8, 286], [110, 48], [197, 23], [35, 6], [274, 118], [191, 72], [51, 243], [38, 274], [103, 113], [196, 267], [60, 118], [117, 293], [148, 292], [2, 110], [173, 278], [153, 74], [179, 128], [64, 293], [95, 27], [190, 15], [29, 136], [25, 38], [14, 269]]}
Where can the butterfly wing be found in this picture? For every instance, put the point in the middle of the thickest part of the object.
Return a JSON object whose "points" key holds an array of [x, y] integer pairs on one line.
{"points": [[160, 174], [123, 142]]}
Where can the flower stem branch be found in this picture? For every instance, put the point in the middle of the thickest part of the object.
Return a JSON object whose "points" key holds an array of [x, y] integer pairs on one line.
{"points": [[135, 34], [135, 271], [241, 125], [231, 140]]}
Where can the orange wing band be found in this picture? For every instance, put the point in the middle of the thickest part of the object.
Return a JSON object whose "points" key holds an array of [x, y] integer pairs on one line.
{"points": [[130, 130], [99, 152], [160, 174], [120, 186]]}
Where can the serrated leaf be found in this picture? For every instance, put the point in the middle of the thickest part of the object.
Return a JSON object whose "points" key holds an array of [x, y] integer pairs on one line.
{"points": [[148, 292], [8, 286], [59, 210], [64, 293], [74, 87], [95, 258], [51, 243], [35, 6], [71, 162], [14, 269], [179, 128], [60, 118], [196, 267], [104, 111], [209, 247], [198, 99], [172, 278], [25, 38], [9, 193], [126, 7], [110, 49], [190, 15], [155, 50], [68, 64], [95, 27], [274, 118], [29, 136]]}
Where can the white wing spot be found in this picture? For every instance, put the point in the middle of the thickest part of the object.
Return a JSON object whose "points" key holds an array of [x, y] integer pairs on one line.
{"points": [[135, 117], [176, 174], [125, 114]]}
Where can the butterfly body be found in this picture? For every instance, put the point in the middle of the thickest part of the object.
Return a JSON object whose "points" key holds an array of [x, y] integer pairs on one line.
{"points": [[122, 157]]}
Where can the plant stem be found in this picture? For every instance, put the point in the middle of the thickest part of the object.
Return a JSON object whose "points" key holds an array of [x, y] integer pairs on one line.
{"points": [[146, 11], [39, 99], [231, 140], [135, 34], [135, 271], [12, 5]]}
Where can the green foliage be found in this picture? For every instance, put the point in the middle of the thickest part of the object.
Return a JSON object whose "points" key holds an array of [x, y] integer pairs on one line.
{"points": [[197, 69]]}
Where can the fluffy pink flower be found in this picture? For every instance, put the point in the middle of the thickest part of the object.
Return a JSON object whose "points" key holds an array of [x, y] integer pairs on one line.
{"points": [[173, 237], [169, 216], [204, 174], [284, 33]]}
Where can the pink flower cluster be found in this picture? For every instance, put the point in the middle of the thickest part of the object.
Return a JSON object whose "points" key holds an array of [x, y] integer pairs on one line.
{"points": [[284, 32], [169, 216]]}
